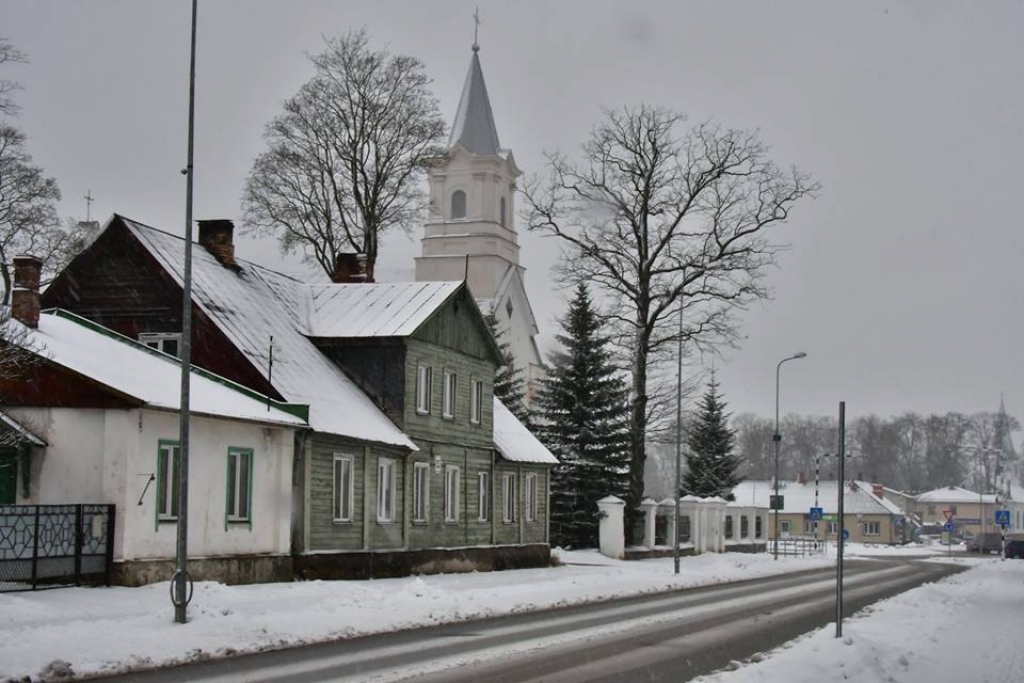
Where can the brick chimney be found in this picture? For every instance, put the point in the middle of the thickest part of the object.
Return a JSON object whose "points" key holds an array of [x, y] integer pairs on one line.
{"points": [[878, 491], [25, 295], [217, 237], [351, 268]]}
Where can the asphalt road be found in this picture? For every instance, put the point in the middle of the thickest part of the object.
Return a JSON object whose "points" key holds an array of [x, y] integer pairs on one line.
{"points": [[664, 637]]}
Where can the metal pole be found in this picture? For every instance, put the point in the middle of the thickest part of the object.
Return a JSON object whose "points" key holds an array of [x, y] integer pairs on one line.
{"points": [[679, 435], [776, 437], [178, 590], [841, 455]]}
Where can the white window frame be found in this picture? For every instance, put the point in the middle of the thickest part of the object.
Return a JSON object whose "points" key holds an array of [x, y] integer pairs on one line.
{"points": [[343, 490], [465, 206], [236, 456], [872, 528], [476, 401], [386, 487], [832, 528], [532, 499], [167, 480], [508, 497], [424, 380], [452, 492], [483, 503], [449, 388], [785, 528], [421, 492], [156, 340]]}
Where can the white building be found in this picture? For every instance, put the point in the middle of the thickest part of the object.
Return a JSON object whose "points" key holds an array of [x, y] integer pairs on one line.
{"points": [[470, 232]]}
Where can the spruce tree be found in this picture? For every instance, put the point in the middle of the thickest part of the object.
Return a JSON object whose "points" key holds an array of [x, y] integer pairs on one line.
{"points": [[509, 386], [712, 462], [583, 418]]}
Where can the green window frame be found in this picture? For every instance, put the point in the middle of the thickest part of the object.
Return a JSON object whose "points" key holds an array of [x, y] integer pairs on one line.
{"points": [[238, 487], [168, 458]]}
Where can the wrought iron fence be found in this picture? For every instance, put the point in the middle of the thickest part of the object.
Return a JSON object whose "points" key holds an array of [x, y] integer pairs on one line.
{"points": [[49, 546], [798, 546]]}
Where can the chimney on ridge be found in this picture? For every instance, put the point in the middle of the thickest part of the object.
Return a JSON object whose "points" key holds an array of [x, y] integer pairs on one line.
{"points": [[878, 491], [25, 294], [217, 237], [350, 268]]}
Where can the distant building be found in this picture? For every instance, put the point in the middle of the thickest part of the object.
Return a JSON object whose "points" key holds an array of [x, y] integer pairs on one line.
{"points": [[470, 232]]}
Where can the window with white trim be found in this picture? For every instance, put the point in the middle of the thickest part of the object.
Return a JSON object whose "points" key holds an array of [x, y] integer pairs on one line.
{"points": [[483, 501], [476, 401], [167, 460], [872, 528], [508, 493], [502, 211], [728, 527], [832, 529], [385, 490], [810, 526], [424, 378], [343, 487], [168, 342], [451, 383], [744, 526], [420, 491], [758, 526], [239, 496], [532, 500], [458, 205], [452, 488], [784, 527]]}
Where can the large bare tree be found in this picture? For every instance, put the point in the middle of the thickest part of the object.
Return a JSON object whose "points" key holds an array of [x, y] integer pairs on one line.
{"points": [[345, 159], [9, 53], [658, 217]]}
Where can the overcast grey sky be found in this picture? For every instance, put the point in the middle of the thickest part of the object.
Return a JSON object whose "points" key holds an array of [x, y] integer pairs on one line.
{"points": [[903, 281]]}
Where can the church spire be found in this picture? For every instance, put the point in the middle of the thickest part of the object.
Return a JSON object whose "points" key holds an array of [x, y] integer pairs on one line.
{"points": [[474, 126]]}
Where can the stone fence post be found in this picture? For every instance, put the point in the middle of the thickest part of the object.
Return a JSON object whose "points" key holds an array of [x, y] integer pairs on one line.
{"points": [[650, 510], [611, 529]]}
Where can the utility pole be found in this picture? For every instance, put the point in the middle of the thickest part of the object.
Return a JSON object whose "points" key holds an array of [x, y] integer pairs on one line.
{"points": [[679, 433], [841, 456]]}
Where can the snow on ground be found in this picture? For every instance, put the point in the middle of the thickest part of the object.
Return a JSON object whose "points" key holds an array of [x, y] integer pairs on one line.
{"points": [[105, 630]]}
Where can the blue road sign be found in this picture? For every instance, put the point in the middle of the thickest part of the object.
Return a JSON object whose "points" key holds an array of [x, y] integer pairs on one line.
{"points": [[1003, 517], [816, 514], [846, 534], [949, 526]]}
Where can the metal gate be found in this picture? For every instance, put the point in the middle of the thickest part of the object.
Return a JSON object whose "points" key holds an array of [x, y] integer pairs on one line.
{"points": [[49, 546]]}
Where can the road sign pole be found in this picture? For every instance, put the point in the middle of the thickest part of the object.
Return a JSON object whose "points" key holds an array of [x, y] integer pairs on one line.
{"points": [[841, 456]]}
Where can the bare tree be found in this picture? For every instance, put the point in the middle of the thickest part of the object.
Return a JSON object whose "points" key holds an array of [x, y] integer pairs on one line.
{"points": [[28, 211], [9, 53], [345, 159], [655, 220]]}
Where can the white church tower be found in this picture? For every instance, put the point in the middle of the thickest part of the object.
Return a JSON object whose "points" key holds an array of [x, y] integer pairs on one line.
{"points": [[470, 232]]}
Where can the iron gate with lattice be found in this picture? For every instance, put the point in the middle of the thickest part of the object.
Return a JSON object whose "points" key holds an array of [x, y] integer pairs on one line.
{"points": [[49, 546]]}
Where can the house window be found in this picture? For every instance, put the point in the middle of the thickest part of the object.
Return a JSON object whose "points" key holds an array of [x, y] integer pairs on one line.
{"points": [[931, 509], [502, 211], [239, 501], [833, 528], [810, 526], [476, 401], [168, 342], [448, 396], [451, 493], [343, 487], [758, 526], [508, 489], [385, 490], [167, 460], [483, 505], [424, 376], [532, 502], [744, 526], [728, 526], [784, 528], [458, 205], [872, 528], [420, 491]]}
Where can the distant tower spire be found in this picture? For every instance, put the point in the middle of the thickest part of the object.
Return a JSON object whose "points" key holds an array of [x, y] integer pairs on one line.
{"points": [[88, 205], [476, 27]]}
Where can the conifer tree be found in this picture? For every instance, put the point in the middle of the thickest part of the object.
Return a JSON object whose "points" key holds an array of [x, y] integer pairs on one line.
{"points": [[583, 418], [712, 461], [509, 386]]}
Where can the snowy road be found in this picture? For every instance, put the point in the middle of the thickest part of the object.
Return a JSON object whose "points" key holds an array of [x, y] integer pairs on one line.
{"points": [[673, 636]]}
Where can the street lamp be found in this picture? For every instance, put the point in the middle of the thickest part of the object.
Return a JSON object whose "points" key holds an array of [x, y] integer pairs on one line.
{"points": [[776, 437]]}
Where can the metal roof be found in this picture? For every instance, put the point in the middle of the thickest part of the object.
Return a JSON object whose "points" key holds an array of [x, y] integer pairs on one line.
{"points": [[394, 309], [474, 126]]}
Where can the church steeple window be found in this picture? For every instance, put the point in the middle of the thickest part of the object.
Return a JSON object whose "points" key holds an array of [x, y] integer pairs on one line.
{"points": [[501, 213], [458, 205]]}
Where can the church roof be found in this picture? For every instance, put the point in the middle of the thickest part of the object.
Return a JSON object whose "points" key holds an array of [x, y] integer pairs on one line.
{"points": [[474, 126]]}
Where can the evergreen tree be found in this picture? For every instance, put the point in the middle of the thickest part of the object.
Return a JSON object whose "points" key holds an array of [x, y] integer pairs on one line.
{"points": [[509, 386], [712, 462], [583, 418]]}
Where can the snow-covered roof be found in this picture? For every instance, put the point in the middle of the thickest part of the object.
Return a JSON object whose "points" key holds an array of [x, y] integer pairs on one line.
{"points": [[150, 377], [515, 442], [393, 309], [474, 126], [954, 494], [251, 304], [799, 497]]}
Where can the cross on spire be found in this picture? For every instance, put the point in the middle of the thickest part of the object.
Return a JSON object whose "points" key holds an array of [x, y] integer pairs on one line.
{"points": [[88, 205], [476, 27]]}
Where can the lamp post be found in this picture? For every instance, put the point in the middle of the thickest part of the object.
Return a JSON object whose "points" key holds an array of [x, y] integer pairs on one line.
{"points": [[776, 437]]}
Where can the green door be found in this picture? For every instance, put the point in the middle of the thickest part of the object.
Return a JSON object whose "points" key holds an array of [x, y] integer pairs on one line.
{"points": [[8, 476]]}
